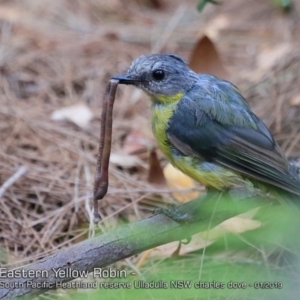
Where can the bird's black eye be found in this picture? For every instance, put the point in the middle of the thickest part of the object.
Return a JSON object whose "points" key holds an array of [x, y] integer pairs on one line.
{"points": [[158, 74]]}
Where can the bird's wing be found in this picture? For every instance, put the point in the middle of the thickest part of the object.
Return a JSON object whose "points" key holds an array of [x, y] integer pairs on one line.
{"points": [[245, 145]]}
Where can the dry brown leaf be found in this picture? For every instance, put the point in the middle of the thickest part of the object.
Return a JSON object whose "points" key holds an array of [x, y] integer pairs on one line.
{"points": [[156, 176], [79, 114], [295, 101], [13, 14], [169, 249], [203, 239], [125, 160], [214, 27], [144, 257], [137, 143], [237, 224], [205, 59], [177, 180]]}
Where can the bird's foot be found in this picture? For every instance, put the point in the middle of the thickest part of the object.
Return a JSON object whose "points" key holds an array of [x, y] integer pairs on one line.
{"points": [[242, 193], [177, 213], [190, 211]]}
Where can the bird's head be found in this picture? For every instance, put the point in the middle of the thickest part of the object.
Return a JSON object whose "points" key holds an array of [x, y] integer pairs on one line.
{"points": [[163, 76]]}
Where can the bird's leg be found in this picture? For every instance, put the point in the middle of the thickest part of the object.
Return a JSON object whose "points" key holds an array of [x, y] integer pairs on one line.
{"points": [[241, 193], [191, 211], [210, 209], [186, 213], [214, 206]]}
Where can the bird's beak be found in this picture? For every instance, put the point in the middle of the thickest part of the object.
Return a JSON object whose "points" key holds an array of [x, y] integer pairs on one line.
{"points": [[124, 79]]}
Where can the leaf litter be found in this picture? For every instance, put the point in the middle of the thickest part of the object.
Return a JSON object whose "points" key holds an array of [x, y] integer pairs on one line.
{"points": [[62, 53]]}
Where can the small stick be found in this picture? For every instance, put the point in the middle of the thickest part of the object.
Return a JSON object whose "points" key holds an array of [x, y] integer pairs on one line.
{"points": [[12, 179], [101, 174]]}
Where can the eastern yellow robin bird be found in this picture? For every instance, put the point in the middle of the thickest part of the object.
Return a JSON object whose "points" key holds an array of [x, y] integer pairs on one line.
{"points": [[206, 129]]}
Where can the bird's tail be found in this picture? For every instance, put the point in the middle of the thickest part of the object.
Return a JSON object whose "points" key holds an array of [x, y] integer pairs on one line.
{"points": [[294, 171]]}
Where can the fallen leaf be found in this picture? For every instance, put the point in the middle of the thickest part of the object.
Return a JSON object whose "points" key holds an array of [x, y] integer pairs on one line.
{"points": [[144, 257], [205, 59], [125, 160], [214, 27], [155, 176], [79, 114], [169, 249], [137, 143], [13, 14], [177, 180], [295, 101], [237, 224]]}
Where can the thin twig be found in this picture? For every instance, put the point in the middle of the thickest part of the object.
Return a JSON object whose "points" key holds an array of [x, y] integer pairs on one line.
{"points": [[12, 179]]}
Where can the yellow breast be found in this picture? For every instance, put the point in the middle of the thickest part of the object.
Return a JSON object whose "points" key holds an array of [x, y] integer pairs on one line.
{"points": [[214, 176], [161, 114]]}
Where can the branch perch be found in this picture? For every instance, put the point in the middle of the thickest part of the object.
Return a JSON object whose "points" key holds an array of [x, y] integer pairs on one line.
{"points": [[123, 242]]}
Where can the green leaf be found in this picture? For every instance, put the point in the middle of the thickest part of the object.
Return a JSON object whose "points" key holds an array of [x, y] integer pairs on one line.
{"points": [[284, 4], [202, 3]]}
